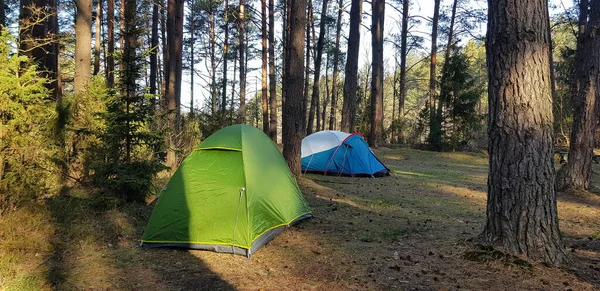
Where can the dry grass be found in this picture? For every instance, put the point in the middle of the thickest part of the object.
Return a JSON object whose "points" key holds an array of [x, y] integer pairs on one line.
{"points": [[414, 230]]}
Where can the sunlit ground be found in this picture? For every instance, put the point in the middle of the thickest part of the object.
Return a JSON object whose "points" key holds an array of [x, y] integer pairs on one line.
{"points": [[410, 231]]}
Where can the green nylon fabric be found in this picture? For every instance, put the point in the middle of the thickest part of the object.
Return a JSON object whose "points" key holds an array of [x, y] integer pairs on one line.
{"points": [[202, 202]]}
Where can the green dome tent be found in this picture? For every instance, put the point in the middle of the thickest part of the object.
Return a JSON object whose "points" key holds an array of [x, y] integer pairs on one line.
{"points": [[234, 193]]}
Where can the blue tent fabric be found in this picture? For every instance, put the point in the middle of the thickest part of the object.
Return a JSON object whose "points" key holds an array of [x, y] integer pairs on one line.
{"points": [[351, 157]]}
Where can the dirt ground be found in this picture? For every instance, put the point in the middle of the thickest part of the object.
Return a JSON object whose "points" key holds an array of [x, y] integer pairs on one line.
{"points": [[414, 230]]}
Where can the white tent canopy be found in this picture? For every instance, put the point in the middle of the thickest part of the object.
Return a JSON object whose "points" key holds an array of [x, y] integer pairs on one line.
{"points": [[322, 141]]}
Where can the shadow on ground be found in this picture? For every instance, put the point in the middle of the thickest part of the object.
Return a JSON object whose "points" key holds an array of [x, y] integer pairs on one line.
{"points": [[95, 247]]}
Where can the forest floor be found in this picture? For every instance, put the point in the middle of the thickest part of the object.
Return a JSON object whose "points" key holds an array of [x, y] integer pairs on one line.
{"points": [[414, 230]]}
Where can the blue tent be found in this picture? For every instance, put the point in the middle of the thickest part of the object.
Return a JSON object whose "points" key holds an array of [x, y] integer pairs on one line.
{"points": [[338, 153]]}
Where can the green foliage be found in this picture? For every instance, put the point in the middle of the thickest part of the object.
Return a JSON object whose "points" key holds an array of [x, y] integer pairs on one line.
{"points": [[455, 119], [26, 129], [565, 44], [126, 157]]}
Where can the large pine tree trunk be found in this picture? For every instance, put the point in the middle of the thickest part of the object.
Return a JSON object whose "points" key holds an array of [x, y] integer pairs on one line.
{"points": [[272, 75], [192, 58], [293, 115], [351, 71], [242, 48], [173, 73], [98, 37], [154, 50], [326, 101], [2, 15], [436, 135], [521, 205], [53, 53], [576, 174], [225, 58], [403, 50], [213, 60], [314, 107], [83, 44], [128, 59], [32, 30], [110, 59], [434, 130], [265, 99], [307, 66], [377, 19]]}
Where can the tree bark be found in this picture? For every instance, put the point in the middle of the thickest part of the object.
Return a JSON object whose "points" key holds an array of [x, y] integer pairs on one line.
{"points": [[225, 58], [32, 30], [314, 107], [403, 51], [83, 44], [351, 71], [326, 101], [307, 65], [433, 130], [110, 55], [128, 59], [577, 173], [192, 61], [213, 60], [98, 38], [2, 14], [52, 56], [293, 75], [154, 50], [265, 98], [521, 206], [436, 135], [272, 75], [242, 48], [377, 22], [173, 73]]}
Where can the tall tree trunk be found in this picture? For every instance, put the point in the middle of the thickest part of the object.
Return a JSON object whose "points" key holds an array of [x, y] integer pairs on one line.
{"points": [[53, 53], [265, 98], [326, 101], [336, 60], [293, 115], [235, 59], [242, 47], [154, 50], [110, 54], [433, 129], [213, 59], [225, 58], [377, 19], [32, 30], [307, 65], [394, 97], [272, 75], [83, 44], [351, 71], [314, 107], [285, 43], [122, 35], [192, 60], [2, 14], [436, 132], [98, 38], [128, 59], [576, 174], [165, 52], [403, 51], [173, 73], [521, 206]]}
